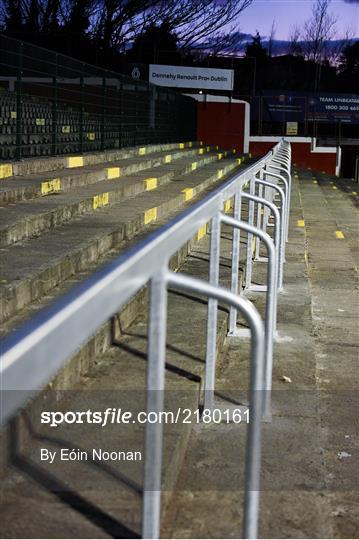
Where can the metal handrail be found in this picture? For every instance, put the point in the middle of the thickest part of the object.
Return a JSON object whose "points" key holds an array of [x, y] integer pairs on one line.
{"points": [[26, 365]]}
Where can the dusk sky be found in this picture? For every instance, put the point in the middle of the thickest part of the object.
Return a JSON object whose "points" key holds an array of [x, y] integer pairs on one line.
{"points": [[260, 14]]}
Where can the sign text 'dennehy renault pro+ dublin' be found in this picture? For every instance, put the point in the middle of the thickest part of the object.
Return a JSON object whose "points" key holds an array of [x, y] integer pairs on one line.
{"points": [[191, 77]]}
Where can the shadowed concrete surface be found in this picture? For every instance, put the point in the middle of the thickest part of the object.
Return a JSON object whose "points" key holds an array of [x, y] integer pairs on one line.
{"points": [[310, 483]]}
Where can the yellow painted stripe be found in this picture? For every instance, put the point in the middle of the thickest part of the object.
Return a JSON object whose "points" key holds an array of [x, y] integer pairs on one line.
{"points": [[181, 145], [5, 170], [101, 200], [151, 183], [315, 181], [190, 144], [75, 161], [300, 223], [150, 215], [335, 187], [234, 150], [217, 147], [208, 148], [188, 193], [202, 232], [354, 192], [168, 159], [339, 235], [227, 206], [194, 166], [225, 154], [50, 186], [201, 143], [113, 172], [219, 173], [249, 155], [142, 151], [220, 156], [200, 151]]}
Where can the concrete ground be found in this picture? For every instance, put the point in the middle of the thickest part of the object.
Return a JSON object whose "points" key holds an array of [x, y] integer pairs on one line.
{"points": [[310, 480]]}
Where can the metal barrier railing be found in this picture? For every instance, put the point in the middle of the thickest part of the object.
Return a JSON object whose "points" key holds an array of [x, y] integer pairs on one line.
{"points": [[26, 366]]}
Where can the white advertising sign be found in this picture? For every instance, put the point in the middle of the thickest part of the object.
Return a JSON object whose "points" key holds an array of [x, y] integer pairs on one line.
{"points": [[191, 77]]}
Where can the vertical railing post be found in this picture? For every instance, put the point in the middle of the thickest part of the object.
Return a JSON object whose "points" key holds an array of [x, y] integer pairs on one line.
{"points": [[249, 261], [155, 399], [236, 243], [103, 112], [54, 109], [260, 219], [18, 138], [211, 348], [81, 126]]}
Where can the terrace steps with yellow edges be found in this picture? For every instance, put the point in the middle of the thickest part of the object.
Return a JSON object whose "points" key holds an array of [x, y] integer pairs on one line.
{"points": [[25, 182], [28, 218], [31, 268]]}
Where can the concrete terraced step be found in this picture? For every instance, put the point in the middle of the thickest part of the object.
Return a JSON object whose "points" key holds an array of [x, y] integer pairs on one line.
{"points": [[110, 493], [29, 218], [30, 269], [56, 163], [40, 184]]}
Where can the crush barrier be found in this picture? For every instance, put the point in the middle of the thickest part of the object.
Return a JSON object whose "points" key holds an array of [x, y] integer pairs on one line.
{"points": [[64, 327]]}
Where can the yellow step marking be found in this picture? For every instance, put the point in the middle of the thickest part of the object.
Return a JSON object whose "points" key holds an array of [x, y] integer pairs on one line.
{"points": [[249, 155], [190, 144], [315, 181], [225, 154], [202, 232], [208, 148], [75, 161], [227, 206], [91, 136], [5, 170], [13, 114], [188, 193], [142, 151], [217, 147], [239, 161], [151, 183], [335, 187], [300, 223], [219, 173], [50, 186], [201, 143], [40, 121], [150, 215], [220, 156], [181, 145], [339, 235], [234, 150], [354, 192], [200, 151], [194, 166], [113, 172], [65, 129], [168, 159], [100, 200], [253, 245]]}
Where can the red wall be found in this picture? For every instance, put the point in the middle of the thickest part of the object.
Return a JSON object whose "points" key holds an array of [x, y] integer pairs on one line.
{"points": [[222, 124], [301, 155]]}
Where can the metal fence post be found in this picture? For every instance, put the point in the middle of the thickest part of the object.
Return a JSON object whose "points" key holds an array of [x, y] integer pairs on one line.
{"points": [[54, 108], [19, 101], [236, 243], [212, 313], [81, 126], [249, 261], [155, 400], [103, 112]]}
